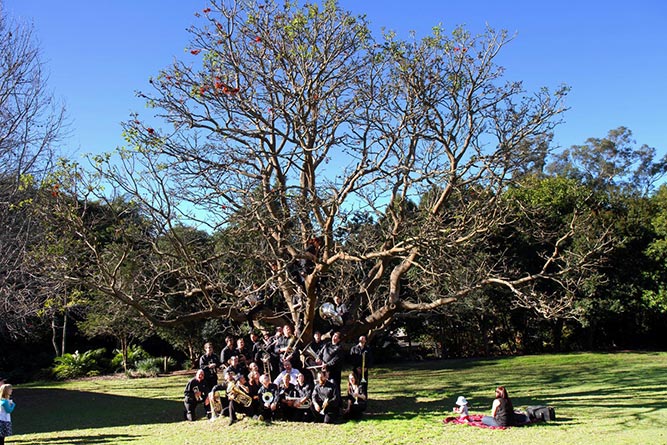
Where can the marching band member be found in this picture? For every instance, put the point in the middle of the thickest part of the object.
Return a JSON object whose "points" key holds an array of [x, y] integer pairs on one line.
{"points": [[325, 402], [287, 369], [194, 394], [317, 343], [242, 352], [285, 397], [332, 357], [303, 390], [361, 357], [227, 351], [268, 398], [253, 390], [356, 399], [209, 363], [285, 347], [235, 366], [239, 397]]}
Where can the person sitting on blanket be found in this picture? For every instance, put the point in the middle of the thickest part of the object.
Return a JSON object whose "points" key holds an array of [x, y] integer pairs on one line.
{"points": [[462, 407], [502, 411]]}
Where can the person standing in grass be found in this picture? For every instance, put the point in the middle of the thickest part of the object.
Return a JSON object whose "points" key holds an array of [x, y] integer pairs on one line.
{"points": [[7, 406], [209, 362]]}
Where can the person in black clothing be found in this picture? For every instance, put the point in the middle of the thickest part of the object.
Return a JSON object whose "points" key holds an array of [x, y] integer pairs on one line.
{"points": [[194, 394], [209, 363], [332, 356], [325, 400], [253, 390], [502, 411], [242, 351], [227, 351], [355, 401], [235, 388], [285, 396], [303, 390], [268, 398], [236, 367], [317, 343], [361, 357]]}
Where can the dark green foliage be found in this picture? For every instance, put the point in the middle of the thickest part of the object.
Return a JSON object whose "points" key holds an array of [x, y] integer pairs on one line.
{"points": [[86, 364]]}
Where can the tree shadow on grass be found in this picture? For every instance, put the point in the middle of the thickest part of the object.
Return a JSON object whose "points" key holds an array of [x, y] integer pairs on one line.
{"points": [[48, 410], [92, 439]]}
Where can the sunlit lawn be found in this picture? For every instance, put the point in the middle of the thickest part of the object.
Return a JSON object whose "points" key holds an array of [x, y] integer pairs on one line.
{"points": [[599, 398]]}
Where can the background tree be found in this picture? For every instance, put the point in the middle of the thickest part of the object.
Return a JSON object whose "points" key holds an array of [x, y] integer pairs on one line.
{"points": [[31, 124]]}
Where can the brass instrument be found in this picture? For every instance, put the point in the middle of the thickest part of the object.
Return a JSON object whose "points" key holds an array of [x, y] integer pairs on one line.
{"points": [[289, 349], [215, 404], [266, 361], [328, 312], [198, 396], [304, 402], [363, 367], [267, 398], [238, 395], [324, 405]]}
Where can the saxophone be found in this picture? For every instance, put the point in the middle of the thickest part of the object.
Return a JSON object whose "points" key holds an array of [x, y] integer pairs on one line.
{"points": [[238, 395]]}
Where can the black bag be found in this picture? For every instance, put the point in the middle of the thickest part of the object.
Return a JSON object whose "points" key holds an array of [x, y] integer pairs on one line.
{"points": [[541, 412]]}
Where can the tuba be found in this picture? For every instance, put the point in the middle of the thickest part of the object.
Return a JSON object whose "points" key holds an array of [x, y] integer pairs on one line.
{"points": [[238, 395], [328, 312]]}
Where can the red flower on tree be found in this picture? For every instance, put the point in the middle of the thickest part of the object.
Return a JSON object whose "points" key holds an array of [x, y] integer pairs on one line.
{"points": [[194, 52], [206, 10], [258, 39], [150, 131]]}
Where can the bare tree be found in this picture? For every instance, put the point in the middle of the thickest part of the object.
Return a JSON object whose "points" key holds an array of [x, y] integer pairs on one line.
{"points": [[330, 164], [31, 123]]}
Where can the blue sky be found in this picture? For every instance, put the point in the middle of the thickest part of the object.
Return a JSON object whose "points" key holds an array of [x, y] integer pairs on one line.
{"points": [[613, 54]]}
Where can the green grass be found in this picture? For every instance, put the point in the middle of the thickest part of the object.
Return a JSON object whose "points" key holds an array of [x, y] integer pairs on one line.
{"points": [[599, 398]]}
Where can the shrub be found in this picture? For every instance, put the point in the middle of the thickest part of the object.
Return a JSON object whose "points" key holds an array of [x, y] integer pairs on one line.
{"points": [[71, 366], [152, 366], [135, 353]]}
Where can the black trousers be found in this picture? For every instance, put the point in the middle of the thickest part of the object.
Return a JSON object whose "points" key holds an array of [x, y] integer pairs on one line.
{"points": [[191, 408]]}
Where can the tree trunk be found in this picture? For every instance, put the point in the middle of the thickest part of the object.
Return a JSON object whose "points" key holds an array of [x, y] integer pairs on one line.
{"points": [[54, 336], [124, 348], [64, 334]]}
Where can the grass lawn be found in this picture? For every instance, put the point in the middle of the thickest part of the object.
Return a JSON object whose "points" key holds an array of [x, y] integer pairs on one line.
{"points": [[600, 398]]}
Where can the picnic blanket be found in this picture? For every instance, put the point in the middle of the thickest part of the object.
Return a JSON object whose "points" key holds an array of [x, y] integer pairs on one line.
{"points": [[476, 420]]}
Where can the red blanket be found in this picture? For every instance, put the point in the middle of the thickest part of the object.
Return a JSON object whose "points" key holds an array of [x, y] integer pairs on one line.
{"points": [[472, 420], [476, 420]]}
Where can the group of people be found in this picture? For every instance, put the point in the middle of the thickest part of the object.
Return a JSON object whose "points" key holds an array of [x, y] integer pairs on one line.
{"points": [[272, 378]]}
